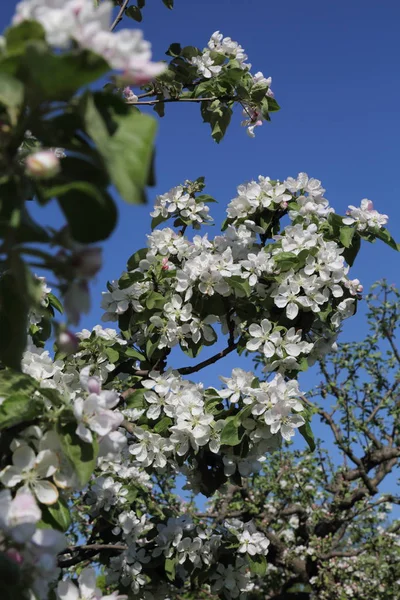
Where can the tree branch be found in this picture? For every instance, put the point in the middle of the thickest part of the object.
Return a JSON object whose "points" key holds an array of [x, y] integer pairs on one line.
{"points": [[120, 15]]}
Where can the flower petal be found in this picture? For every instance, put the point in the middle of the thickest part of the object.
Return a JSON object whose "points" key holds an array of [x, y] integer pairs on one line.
{"points": [[45, 492], [24, 458]]}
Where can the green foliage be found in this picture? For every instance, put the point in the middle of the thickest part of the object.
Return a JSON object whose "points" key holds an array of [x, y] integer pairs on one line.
{"points": [[81, 455]]}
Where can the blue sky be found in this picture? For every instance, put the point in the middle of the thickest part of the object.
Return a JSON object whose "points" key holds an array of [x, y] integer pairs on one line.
{"points": [[335, 75]]}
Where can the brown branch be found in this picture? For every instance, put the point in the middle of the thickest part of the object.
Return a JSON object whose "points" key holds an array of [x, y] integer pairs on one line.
{"points": [[179, 99], [120, 15], [209, 361], [84, 552]]}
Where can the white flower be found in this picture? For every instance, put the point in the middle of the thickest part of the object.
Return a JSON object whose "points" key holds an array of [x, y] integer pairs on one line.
{"points": [[205, 65], [32, 471], [237, 384], [365, 216], [94, 414], [87, 590], [19, 515], [88, 24], [261, 338], [280, 418]]}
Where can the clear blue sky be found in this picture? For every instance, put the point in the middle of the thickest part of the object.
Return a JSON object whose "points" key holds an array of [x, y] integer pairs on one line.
{"points": [[335, 74]]}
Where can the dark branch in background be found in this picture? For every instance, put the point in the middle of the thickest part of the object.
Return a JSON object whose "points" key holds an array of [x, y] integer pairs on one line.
{"points": [[120, 15], [179, 99], [80, 553]]}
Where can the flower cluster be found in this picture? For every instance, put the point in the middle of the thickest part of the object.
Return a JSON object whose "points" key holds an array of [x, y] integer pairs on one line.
{"points": [[88, 25]]}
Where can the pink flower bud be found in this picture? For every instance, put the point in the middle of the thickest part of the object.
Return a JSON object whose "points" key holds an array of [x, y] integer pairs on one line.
{"points": [[87, 262], [164, 264], [94, 385], [15, 556], [68, 342], [42, 165]]}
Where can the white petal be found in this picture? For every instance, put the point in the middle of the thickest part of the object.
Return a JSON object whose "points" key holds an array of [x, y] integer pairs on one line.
{"points": [[45, 491], [292, 310], [46, 463], [10, 476], [87, 582], [66, 590], [253, 345], [24, 458]]}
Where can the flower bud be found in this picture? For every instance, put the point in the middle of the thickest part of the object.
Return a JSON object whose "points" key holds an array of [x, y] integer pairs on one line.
{"points": [[94, 385], [42, 165], [77, 301], [87, 262], [68, 342]]}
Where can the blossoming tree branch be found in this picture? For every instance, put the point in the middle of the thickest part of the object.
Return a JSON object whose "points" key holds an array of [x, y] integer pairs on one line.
{"points": [[95, 435]]}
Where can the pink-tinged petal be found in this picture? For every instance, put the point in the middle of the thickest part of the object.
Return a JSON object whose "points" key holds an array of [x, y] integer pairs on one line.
{"points": [[66, 590], [10, 476], [24, 458], [109, 399]]}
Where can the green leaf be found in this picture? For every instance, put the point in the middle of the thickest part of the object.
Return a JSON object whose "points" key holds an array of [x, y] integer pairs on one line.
{"points": [[219, 121], [306, 431], [174, 50], [134, 260], [230, 432], [82, 455], [19, 408], [346, 236], [134, 13], [57, 515], [258, 92], [157, 220], [383, 234], [169, 3], [273, 106], [13, 321], [51, 76], [170, 563], [351, 252], [11, 91], [163, 425], [257, 564], [137, 400], [91, 212], [155, 300], [241, 286], [205, 198], [112, 354], [54, 301], [132, 353], [18, 35], [141, 3], [151, 347], [124, 139], [15, 382]]}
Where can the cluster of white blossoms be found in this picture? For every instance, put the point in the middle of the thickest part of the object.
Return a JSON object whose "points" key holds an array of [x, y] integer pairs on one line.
{"points": [[210, 64], [365, 216], [30, 547], [88, 25], [279, 292]]}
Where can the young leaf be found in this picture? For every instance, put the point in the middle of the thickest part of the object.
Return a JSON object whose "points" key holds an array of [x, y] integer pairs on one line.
{"points": [[82, 455]]}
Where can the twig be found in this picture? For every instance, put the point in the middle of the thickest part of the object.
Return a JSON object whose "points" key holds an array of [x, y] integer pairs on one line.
{"points": [[120, 15], [188, 370], [165, 100]]}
